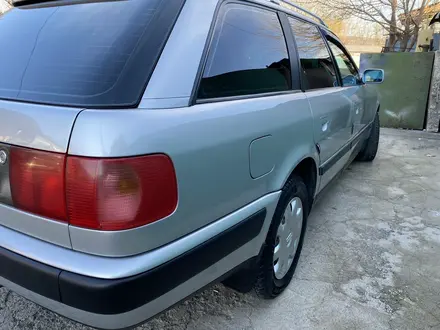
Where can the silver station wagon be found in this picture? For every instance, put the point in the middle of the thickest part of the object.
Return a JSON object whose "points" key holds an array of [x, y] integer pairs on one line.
{"points": [[150, 148]]}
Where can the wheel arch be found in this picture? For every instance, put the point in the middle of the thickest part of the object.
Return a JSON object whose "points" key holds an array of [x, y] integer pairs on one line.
{"points": [[306, 167], [307, 170]]}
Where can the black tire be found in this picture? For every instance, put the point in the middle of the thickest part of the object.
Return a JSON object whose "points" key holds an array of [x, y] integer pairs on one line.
{"points": [[267, 285], [369, 150]]}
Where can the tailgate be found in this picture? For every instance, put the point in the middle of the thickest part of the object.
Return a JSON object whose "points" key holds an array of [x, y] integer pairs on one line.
{"points": [[36, 126], [31, 127]]}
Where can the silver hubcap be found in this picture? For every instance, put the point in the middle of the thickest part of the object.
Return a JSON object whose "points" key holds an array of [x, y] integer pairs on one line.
{"points": [[288, 235]]}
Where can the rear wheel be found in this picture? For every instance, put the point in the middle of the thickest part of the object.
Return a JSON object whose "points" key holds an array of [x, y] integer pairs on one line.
{"points": [[369, 150], [284, 242]]}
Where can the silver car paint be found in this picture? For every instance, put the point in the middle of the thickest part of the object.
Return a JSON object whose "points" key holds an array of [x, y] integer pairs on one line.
{"points": [[332, 120], [209, 145], [198, 161], [201, 163], [139, 315], [44, 229], [338, 123], [177, 68], [40, 127], [114, 268], [172, 82], [36, 126], [360, 115], [103, 133], [142, 313]]}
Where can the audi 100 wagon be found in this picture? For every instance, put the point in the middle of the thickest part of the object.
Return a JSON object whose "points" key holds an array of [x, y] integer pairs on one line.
{"points": [[150, 148]]}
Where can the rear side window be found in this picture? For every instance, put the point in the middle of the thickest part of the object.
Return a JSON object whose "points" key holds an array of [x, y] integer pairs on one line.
{"points": [[318, 69], [248, 55], [97, 54]]}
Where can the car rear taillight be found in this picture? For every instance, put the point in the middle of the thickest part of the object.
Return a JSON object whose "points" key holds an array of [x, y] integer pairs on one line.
{"points": [[37, 182], [116, 194], [102, 194]]}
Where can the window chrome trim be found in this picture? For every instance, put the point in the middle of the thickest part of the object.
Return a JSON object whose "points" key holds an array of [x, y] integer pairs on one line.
{"points": [[246, 97]]}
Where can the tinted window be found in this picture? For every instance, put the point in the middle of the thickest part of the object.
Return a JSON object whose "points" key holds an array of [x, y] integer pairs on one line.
{"points": [[89, 55], [248, 54], [349, 73], [317, 65]]}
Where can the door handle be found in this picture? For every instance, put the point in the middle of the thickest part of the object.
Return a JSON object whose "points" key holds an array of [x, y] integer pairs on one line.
{"points": [[324, 124]]}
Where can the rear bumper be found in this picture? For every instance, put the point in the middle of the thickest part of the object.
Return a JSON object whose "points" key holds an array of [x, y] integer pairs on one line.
{"points": [[124, 302], [119, 296]]}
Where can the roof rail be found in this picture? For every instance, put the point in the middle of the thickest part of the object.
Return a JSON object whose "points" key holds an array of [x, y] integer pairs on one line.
{"points": [[296, 7]]}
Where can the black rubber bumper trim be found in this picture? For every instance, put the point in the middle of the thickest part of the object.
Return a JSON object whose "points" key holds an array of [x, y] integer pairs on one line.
{"points": [[110, 297], [120, 296], [30, 274]]}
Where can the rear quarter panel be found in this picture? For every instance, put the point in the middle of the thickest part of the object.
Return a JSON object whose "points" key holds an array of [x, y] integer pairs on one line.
{"points": [[209, 145]]}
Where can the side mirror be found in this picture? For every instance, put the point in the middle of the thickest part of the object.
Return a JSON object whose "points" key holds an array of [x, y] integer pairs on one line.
{"points": [[373, 76]]}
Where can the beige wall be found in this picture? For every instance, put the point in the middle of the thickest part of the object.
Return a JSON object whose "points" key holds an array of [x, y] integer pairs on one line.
{"points": [[357, 50], [364, 48]]}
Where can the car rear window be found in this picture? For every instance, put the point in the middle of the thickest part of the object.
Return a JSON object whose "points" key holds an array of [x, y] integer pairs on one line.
{"points": [[95, 54]]}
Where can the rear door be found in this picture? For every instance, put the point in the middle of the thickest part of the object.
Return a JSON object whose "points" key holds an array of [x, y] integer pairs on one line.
{"points": [[331, 107]]}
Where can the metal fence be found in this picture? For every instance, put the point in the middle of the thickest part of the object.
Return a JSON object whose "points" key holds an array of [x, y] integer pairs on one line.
{"points": [[404, 94]]}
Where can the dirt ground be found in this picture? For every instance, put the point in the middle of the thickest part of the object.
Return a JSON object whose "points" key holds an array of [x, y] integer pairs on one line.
{"points": [[371, 259]]}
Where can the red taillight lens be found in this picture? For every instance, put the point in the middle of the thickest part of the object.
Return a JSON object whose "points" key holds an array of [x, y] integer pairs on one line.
{"points": [[117, 194], [104, 194], [37, 182]]}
